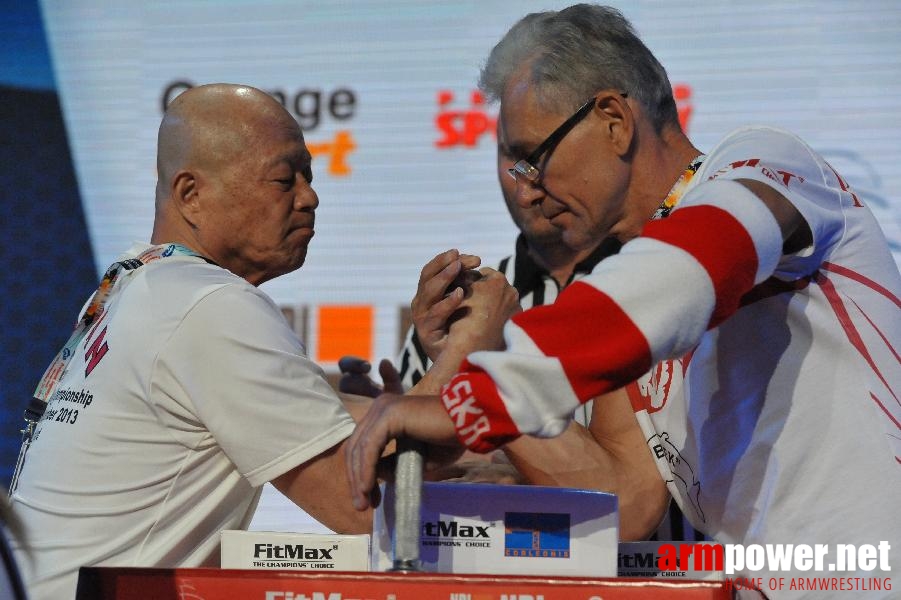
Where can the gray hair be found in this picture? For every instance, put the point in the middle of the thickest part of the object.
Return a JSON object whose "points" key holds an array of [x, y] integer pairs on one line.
{"points": [[575, 52]]}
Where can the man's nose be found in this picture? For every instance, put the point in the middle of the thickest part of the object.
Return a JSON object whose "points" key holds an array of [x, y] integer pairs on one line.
{"points": [[528, 194], [306, 199]]}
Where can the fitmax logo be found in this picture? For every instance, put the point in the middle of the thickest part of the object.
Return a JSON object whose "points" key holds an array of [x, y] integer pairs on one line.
{"points": [[639, 560], [296, 551], [453, 529]]}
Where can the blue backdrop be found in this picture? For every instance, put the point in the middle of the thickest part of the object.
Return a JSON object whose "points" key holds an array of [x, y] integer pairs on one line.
{"points": [[47, 266]]}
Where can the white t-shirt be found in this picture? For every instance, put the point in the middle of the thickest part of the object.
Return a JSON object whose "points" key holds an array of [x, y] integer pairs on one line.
{"points": [[201, 394], [782, 426]]}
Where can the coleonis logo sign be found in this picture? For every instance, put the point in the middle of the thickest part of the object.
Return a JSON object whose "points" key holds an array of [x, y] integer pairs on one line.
{"points": [[542, 535]]}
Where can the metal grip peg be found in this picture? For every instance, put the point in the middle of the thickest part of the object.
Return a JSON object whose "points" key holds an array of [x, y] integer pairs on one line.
{"points": [[407, 504]]}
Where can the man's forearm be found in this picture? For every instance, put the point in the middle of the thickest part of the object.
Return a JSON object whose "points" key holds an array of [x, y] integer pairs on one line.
{"points": [[441, 371], [355, 405], [610, 457], [320, 488]]}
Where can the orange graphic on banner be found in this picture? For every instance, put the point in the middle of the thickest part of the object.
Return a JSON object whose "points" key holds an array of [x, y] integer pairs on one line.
{"points": [[336, 150], [343, 330]]}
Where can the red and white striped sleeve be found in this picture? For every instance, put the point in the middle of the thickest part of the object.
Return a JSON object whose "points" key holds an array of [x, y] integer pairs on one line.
{"points": [[654, 300]]}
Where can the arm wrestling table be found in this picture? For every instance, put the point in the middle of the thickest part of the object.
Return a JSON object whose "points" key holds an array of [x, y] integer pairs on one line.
{"points": [[119, 583], [405, 582]]}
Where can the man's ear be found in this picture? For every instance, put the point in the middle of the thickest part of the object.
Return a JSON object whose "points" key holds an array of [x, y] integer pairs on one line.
{"points": [[618, 119], [186, 196]]}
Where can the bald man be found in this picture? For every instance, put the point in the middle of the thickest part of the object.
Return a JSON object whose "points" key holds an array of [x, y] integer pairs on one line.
{"points": [[186, 391]]}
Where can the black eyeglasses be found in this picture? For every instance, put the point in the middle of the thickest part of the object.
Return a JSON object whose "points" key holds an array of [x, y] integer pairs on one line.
{"points": [[526, 167]]}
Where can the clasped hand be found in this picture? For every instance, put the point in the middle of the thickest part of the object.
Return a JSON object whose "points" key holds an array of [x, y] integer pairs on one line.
{"points": [[456, 304], [457, 310]]}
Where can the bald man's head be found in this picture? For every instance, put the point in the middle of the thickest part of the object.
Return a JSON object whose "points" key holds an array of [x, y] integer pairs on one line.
{"points": [[235, 181], [210, 125]]}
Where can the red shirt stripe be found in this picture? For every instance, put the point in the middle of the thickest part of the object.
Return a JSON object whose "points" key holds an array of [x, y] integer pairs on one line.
{"points": [[598, 344], [732, 272]]}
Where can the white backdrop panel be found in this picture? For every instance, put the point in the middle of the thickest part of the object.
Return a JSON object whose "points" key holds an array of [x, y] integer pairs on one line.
{"points": [[828, 70]]}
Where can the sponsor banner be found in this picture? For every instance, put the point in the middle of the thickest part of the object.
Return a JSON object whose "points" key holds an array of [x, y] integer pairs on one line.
{"points": [[295, 551], [763, 567], [99, 583], [404, 143], [643, 559], [503, 529], [817, 558]]}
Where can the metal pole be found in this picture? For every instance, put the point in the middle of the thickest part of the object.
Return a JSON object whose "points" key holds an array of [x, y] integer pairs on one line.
{"points": [[407, 504]]}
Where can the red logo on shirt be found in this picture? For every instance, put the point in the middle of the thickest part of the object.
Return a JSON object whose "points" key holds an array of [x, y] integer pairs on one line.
{"points": [[652, 390], [469, 420], [96, 351]]}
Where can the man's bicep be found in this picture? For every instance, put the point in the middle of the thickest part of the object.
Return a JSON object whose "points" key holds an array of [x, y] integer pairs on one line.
{"points": [[244, 377], [356, 405], [642, 491], [796, 234]]}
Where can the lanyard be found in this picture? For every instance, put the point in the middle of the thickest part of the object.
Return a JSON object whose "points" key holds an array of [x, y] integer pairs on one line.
{"points": [[678, 189], [95, 308]]}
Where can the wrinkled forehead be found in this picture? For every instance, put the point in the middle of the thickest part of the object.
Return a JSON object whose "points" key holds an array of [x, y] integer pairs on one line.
{"points": [[293, 153], [273, 130], [254, 149], [275, 123], [523, 121], [289, 147]]}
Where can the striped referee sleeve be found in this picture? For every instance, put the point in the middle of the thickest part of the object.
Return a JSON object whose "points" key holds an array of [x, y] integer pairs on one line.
{"points": [[652, 301]]}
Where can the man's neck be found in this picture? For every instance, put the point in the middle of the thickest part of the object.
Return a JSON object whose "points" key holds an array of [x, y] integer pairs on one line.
{"points": [[557, 259], [674, 153], [165, 233], [657, 171]]}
